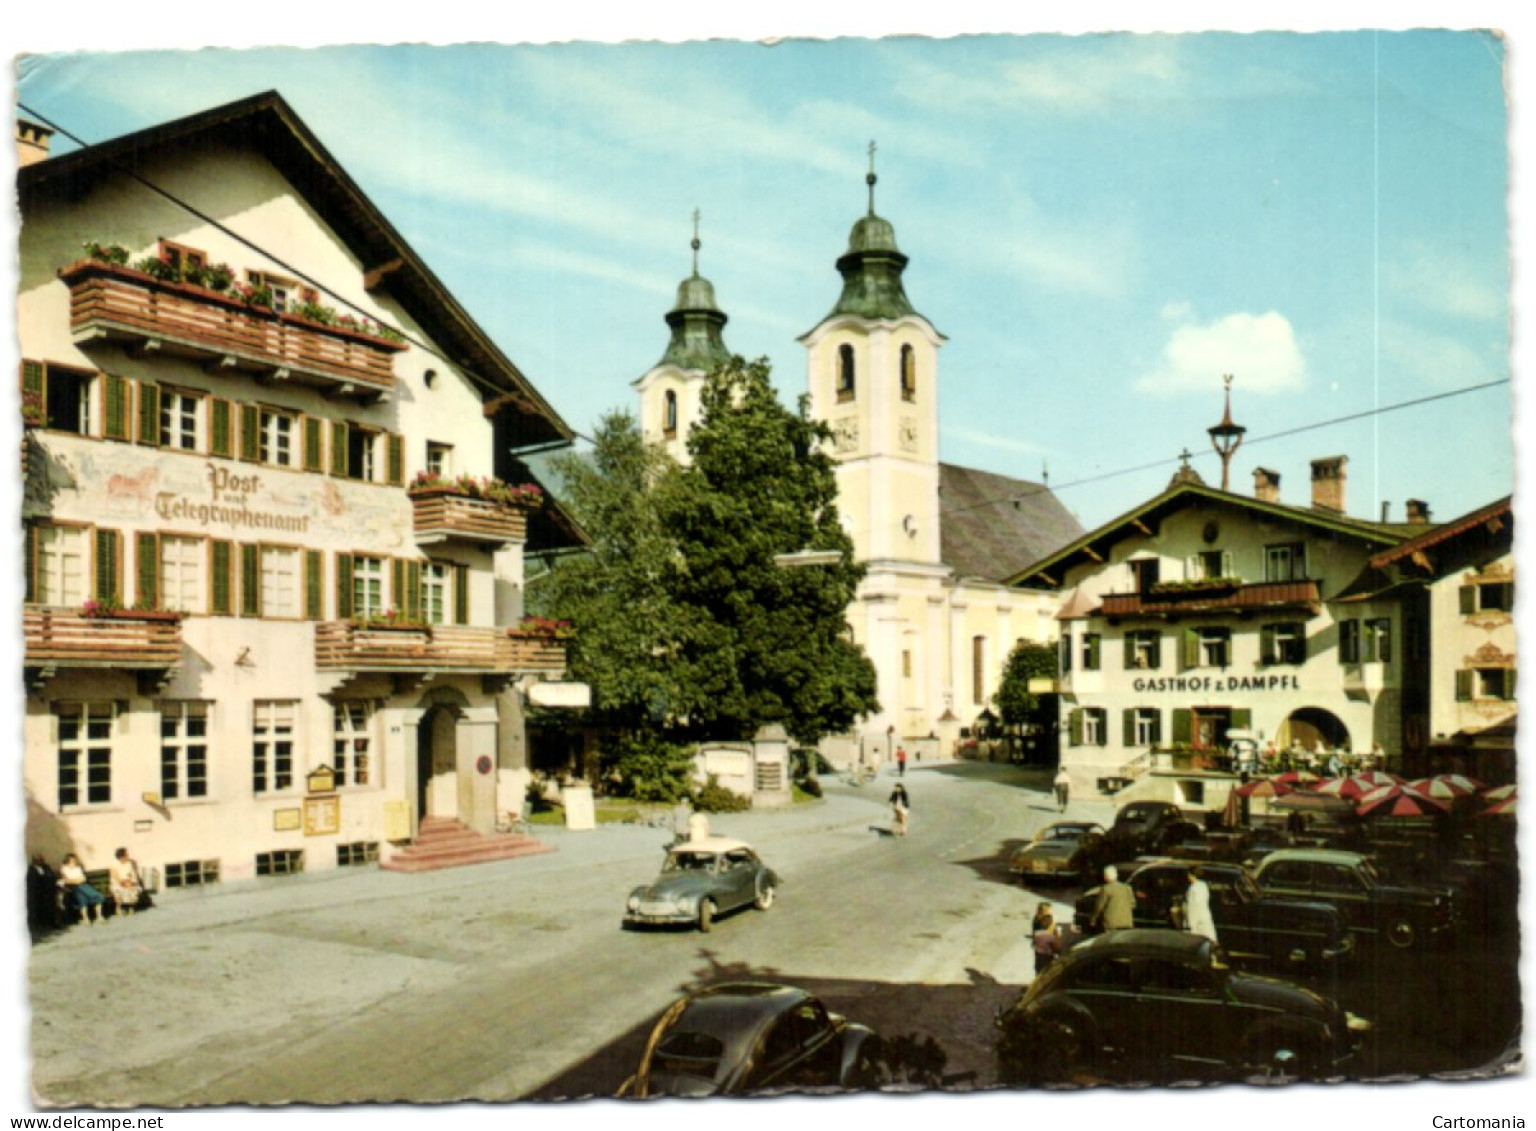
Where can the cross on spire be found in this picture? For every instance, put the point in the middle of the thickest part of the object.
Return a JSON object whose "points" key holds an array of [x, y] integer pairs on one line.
{"points": [[695, 243], [869, 178]]}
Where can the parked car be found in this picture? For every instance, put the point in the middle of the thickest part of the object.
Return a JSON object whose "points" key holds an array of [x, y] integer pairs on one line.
{"points": [[701, 879], [1251, 926], [1402, 915], [1149, 828], [1067, 850], [1162, 1006], [742, 1037]]}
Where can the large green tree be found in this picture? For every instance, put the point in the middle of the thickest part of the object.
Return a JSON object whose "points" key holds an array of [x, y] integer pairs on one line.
{"points": [[1016, 705], [766, 643]]}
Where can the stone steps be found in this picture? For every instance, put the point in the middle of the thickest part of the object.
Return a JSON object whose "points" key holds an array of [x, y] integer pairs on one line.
{"points": [[442, 842]]}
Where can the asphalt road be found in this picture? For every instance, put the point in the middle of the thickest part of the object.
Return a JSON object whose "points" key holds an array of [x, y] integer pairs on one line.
{"points": [[513, 979]]}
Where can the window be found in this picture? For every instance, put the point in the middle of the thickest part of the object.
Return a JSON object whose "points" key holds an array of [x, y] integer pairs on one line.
{"points": [[1487, 597], [181, 257], [1376, 641], [434, 592], [1285, 563], [908, 374], [362, 454], [1146, 726], [354, 735], [1090, 729], [1066, 653], [183, 749], [279, 582], [1283, 644], [191, 873], [276, 432], [1091, 651], [67, 400], [357, 853], [978, 669], [669, 415], [1212, 564], [285, 292], [845, 375], [283, 862], [85, 753], [367, 586], [60, 565], [1485, 683], [272, 746], [182, 562], [439, 459], [1145, 572], [1143, 650], [1208, 647], [179, 414], [1349, 642]]}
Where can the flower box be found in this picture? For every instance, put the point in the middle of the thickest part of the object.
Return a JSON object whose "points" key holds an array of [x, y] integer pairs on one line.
{"points": [[123, 638]]}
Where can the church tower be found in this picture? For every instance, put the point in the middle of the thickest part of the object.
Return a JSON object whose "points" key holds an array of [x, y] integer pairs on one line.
{"points": [[873, 377], [670, 391]]}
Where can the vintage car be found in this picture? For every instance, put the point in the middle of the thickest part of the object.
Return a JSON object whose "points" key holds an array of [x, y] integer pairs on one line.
{"points": [[1148, 828], [701, 879], [1402, 915], [1250, 926], [1161, 1006], [742, 1037], [1067, 850]]}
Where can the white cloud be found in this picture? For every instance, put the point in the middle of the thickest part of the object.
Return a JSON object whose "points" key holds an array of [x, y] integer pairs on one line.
{"points": [[1259, 350], [1435, 359], [1443, 282]]}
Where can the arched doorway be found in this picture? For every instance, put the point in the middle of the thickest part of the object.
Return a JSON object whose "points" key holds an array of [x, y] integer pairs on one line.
{"points": [[437, 762], [1313, 727]]}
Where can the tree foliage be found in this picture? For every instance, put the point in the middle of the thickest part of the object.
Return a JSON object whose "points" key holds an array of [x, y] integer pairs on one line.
{"points": [[1016, 704]]}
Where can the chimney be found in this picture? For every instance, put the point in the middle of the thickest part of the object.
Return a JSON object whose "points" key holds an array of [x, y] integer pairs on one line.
{"points": [[31, 143], [1266, 485], [1328, 483], [1418, 512]]}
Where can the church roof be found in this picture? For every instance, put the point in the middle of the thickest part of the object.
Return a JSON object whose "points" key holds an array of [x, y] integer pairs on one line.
{"points": [[696, 323], [991, 526]]}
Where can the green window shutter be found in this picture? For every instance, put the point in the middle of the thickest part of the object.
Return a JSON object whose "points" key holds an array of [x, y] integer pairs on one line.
{"points": [[1242, 718], [1155, 659], [339, 447], [109, 585], [314, 444], [149, 414], [1468, 595], [147, 552], [397, 584], [413, 590], [1509, 684], [250, 433], [29, 561], [250, 579], [1183, 726], [1464, 685], [220, 440], [115, 398], [221, 583], [1066, 654], [32, 377], [394, 460], [1129, 650], [1157, 727], [1191, 649], [460, 594], [314, 584], [1075, 726], [1128, 727], [1267, 652], [1091, 652], [343, 585]]}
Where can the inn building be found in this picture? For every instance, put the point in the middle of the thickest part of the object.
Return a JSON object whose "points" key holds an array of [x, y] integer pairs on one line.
{"points": [[1204, 612], [933, 613], [275, 514]]}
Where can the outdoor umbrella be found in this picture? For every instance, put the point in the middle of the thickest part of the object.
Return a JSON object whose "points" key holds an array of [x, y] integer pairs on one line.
{"points": [[1352, 787], [1398, 801], [1264, 787], [1380, 777], [1505, 808], [1315, 803], [1500, 792], [1296, 777], [1446, 787]]}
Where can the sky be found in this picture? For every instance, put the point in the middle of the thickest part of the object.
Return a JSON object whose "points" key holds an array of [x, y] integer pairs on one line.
{"points": [[1101, 225]]}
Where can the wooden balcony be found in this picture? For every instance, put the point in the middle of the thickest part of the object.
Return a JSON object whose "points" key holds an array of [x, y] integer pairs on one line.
{"points": [[56, 638], [346, 647], [442, 514], [111, 303], [1241, 600]]}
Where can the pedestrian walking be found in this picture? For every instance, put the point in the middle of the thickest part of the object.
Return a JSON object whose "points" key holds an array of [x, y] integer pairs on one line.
{"points": [[901, 761], [900, 804], [1197, 907], [1115, 909], [1063, 784], [1046, 936]]}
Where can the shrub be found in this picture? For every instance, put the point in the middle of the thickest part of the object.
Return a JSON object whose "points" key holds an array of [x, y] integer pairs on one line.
{"points": [[652, 768], [712, 797], [811, 786]]}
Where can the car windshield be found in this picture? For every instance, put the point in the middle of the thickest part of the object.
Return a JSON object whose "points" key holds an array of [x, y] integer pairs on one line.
{"points": [[1064, 832], [690, 862], [1134, 813]]}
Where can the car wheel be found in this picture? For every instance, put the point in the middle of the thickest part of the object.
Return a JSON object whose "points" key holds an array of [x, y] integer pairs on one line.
{"points": [[870, 1071], [706, 915], [1401, 934], [765, 894], [1055, 1050], [1280, 1055]]}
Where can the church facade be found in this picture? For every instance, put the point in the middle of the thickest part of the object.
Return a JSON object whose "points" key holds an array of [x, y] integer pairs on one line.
{"points": [[932, 613]]}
